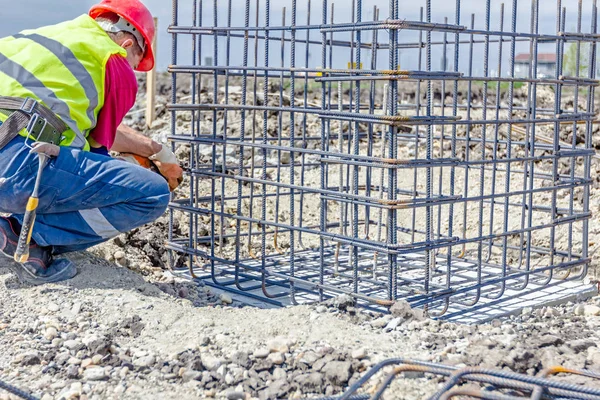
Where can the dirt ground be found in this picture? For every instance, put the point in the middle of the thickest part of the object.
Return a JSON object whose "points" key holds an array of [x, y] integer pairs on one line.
{"points": [[110, 333]]}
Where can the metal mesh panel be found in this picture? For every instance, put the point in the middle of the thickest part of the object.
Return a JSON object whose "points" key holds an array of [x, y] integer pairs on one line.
{"points": [[387, 151]]}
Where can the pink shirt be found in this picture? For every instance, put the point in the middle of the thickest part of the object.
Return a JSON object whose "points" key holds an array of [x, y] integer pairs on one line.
{"points": [[120, 90]]}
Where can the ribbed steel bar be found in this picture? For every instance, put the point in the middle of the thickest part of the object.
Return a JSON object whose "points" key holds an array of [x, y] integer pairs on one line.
{"points": [[323, 147], [478, 382], [315, 170], [390, 24]]}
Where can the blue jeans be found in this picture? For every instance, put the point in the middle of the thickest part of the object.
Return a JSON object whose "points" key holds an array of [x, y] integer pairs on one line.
{"points": [[85, 198]]}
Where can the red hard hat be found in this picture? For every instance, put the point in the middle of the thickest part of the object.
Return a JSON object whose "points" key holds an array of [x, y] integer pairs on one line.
{"points": [[135, 12]]}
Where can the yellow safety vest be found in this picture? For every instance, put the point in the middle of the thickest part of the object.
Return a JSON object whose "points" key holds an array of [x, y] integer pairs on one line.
{"points": [[63, 67]]}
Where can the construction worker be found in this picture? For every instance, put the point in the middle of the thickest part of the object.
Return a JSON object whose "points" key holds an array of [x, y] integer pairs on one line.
{"points": [[71, 84]]}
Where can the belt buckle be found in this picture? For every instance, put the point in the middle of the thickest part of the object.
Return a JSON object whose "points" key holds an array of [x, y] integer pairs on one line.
{"points": [[35, 128], [42, 131], [29, 110]]}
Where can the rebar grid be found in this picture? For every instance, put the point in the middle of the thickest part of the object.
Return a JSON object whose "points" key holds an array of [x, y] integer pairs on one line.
{"points": [[478, 383], [319, 166]]}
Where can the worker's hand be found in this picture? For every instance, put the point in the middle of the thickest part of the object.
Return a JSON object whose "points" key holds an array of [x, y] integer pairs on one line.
{"points": [[165, 156], [172, 173], [168, 165]]}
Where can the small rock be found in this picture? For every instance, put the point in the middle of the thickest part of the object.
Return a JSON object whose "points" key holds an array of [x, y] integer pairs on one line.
{"points": [[76, 309], [73, 392], [344, 301], [145, 362], [276, 390], [263, 365], [402, 309], [86, 362], [241, 358], [119, 389], [309, 358], [77, 386], [225, 298], [279, 374], [73, 372], [359, 354], [51, 333], [73, 345], [496, 331], [95, 374], [320, 363], [579, 309], [58, 385], [261, 352], [53, 307], [277, 358], [527, 311], [210, 363], [551, 312], [393, 324], [124, 372], [381, 322], [191, 375], [32, 358], [321, 309], [590, 310], [549, 340], [236, 396], [310, 381], [97, 359], [119, 255], [278, 344], [74, 361], [183, 292], [338, 372]]}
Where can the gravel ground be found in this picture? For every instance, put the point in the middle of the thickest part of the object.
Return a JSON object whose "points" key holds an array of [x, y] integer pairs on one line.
{"points": [[111, 333]]}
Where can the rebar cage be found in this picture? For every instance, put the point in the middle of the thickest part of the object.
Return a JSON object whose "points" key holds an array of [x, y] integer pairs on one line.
{"points": [[329, 154]]}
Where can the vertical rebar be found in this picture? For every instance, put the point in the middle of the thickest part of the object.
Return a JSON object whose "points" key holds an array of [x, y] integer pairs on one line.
{"points": [[429, 255]]}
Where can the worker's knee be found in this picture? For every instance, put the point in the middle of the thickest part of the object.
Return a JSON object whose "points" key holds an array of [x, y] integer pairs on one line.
{"points": [[157, 200]]}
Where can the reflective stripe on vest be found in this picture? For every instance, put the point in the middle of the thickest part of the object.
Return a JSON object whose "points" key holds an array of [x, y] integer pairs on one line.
{"points": [[63, 66], [67, 57]]}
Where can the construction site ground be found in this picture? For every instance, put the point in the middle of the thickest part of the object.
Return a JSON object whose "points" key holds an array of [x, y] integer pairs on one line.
{"points": [[126, 328]]}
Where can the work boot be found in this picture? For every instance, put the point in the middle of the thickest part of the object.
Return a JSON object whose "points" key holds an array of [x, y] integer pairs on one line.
{"points": [[40, 268]]}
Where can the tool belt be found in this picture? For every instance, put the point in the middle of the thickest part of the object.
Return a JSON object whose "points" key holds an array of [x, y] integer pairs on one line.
{"points": [[42, 124]]}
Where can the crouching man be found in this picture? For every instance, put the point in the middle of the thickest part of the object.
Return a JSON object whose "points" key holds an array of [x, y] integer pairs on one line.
{"points": [[71, 84]]}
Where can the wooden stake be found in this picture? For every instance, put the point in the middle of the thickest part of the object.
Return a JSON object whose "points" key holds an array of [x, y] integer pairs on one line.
{"points": [[151, 85]]}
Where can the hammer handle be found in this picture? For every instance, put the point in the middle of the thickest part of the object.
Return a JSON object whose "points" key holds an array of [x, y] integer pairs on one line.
{"points": [[22, 252]]}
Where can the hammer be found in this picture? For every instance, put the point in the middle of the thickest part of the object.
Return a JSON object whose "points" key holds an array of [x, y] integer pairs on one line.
{"points": [[44, 152]]}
